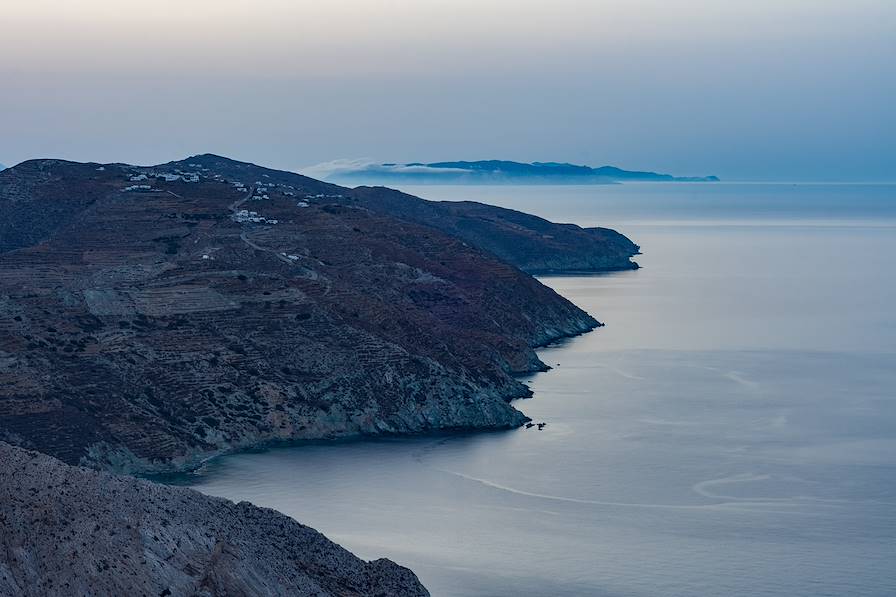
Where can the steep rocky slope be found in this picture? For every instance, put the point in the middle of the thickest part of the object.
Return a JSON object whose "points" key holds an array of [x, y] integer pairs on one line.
{"points": [[532, 244], [153, 316], [72, 531]]}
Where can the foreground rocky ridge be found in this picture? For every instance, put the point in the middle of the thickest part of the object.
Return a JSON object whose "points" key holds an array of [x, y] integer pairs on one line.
{"points": [[72, 531], [151, 317]]}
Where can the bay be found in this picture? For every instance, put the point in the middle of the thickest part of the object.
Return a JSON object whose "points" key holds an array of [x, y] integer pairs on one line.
{"points": [[731, 431]]}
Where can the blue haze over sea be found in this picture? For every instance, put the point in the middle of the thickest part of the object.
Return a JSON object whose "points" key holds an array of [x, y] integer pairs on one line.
{"points": [[731, 431]]}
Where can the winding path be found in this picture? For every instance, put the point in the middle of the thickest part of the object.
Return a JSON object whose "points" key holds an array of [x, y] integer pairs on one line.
{"points": [[234, 207]]}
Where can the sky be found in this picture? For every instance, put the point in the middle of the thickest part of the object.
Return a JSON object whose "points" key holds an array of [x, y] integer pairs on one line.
{"points": [[746, 90]]}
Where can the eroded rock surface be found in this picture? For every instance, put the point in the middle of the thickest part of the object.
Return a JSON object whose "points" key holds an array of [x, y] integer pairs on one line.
{"points": [[71, 531]]}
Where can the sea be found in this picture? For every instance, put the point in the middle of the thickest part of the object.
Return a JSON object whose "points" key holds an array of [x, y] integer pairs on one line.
{"points": [[731, 431]]}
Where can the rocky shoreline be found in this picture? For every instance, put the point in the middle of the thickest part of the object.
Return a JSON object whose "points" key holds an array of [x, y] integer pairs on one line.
{"points": [[517, 419], [505, 417]]}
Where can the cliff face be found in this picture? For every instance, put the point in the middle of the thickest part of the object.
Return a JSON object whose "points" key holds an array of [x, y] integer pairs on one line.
{"points": [[71, 531], [154, 316]]}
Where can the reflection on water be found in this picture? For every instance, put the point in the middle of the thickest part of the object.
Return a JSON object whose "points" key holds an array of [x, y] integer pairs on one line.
{"points": [[731, 431]]}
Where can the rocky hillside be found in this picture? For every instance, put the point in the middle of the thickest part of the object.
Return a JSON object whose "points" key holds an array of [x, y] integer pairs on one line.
{"points": [[151, 317], [528, 242], [532, 244], [72, 531]]}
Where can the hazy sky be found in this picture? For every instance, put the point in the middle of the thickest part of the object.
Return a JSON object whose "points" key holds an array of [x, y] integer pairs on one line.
{"points": [[759, 89]]}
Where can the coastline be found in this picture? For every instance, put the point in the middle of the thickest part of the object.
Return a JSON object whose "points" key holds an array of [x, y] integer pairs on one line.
{"points": [[162, 472], [425, 332], [585, 272], [180, 475]]}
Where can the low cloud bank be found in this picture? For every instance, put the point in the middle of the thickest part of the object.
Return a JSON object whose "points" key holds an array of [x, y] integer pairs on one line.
{"points": [[369, 172], [365, 167]]}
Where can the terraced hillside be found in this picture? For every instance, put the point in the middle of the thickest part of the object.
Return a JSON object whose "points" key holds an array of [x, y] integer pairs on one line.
{"points": [[153, 316]]}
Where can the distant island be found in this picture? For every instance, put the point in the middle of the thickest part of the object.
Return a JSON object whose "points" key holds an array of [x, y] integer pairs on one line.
{"points": [[486, 172]]}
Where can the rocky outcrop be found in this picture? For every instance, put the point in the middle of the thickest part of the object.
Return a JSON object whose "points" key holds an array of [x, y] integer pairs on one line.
{"points": [[151, 317], [72, 531]]}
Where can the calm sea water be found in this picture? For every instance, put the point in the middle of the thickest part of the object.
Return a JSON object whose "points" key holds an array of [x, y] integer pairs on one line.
{"points": [[731, 431]]}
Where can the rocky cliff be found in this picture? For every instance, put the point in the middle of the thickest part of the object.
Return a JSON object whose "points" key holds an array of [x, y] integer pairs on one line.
{"points": [[72, 531], [151, 317]]}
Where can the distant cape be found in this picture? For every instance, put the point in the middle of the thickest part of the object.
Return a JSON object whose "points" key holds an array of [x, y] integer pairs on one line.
{"points": [[485, 172]]}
